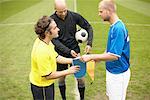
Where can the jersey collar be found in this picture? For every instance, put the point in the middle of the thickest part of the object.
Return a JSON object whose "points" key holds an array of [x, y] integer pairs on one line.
{"points": [[115, 22]]}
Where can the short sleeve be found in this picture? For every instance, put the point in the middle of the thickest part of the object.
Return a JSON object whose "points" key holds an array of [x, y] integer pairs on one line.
{"points": [[117, 41]]}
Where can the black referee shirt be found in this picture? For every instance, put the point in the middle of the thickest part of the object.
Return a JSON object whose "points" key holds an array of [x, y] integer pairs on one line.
{"points": [[66, 40]]}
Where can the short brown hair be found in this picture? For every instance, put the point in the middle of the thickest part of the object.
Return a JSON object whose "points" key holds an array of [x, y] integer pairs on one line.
{"points": [[42, 25]]}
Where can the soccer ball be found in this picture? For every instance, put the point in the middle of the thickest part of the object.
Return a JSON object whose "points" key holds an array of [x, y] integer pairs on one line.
{"points": [[81, 36]]}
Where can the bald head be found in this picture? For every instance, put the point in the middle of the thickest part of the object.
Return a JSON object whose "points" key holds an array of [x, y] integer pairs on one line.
{"points": [[107, 11], [61, 8], [108, 5], [60, 4]]}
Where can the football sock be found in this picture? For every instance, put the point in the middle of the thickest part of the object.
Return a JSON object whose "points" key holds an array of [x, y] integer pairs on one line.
{"points": [[63, 91]]}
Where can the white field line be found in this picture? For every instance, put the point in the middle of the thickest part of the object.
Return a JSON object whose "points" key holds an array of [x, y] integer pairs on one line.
{"points": [[75, 5], [77, 95], [16, 24], [92, 22]]}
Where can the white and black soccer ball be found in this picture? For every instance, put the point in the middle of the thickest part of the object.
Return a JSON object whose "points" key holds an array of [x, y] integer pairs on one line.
{"points": [[81, 36]]}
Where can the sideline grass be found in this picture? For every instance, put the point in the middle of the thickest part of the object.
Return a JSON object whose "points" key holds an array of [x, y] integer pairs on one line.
{"points": [[145, 1], [136, 5], [11, 7]]}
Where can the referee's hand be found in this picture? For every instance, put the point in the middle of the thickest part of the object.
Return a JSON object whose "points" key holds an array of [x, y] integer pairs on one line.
{"points": [[87, 49], [73, 53]]}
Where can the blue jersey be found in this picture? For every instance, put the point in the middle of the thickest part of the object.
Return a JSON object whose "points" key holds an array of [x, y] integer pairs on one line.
{"points": [[118, 44]]}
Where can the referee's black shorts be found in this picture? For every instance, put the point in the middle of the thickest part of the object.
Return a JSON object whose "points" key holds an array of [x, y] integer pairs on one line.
{"points": [[43, 93], [61, 67]]}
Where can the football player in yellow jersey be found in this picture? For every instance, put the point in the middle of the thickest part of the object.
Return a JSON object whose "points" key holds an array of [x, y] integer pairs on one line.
{"points": [[43, 61]]}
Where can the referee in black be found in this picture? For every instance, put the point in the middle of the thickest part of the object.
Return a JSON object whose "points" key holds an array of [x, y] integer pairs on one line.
{"points": [[66, 44]]}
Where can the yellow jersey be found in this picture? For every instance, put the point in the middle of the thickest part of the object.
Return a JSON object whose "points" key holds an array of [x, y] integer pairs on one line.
{"points": [[43, 62]]}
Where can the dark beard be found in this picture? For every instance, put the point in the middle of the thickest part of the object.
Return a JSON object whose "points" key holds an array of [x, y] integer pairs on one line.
{"points": [[107, 18]]}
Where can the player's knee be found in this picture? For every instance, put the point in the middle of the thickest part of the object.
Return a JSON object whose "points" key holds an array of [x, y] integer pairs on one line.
{"points": [[61, 81], [81, 83]]}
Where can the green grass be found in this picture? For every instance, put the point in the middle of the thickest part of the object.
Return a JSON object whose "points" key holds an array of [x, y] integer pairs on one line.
{"points": [[16, 43], [148, 1], [136, 5], [11, 7]]}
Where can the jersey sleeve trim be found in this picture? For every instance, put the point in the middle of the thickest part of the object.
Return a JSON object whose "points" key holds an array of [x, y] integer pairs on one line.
{"points": [[114, 54]]}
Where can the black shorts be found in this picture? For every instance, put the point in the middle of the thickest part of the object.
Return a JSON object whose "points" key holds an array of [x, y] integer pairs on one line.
{"points": [[42, 93], [61, 67]]}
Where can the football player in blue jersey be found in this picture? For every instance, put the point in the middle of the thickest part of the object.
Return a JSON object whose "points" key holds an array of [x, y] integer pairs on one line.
{"points": [[117, 53]]}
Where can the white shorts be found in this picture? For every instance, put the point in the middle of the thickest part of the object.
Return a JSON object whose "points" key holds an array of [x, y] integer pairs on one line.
{"points": [[116, 85]]}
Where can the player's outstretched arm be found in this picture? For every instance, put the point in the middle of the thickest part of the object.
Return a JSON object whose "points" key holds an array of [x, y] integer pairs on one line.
{"points": [[99, 57], [63, 60]]}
